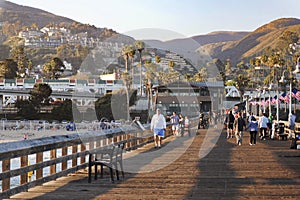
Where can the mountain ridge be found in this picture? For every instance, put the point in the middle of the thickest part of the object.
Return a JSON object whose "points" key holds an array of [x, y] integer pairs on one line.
{"points": [[254, 43], [233, 45], [7, 9]]}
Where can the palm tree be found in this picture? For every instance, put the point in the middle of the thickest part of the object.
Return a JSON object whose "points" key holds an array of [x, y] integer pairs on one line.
{"points": [[131, 53], [150, 75], [201, 76], [242, 82], [171, 63], [140, 46], [125, 54], [126, 80]]}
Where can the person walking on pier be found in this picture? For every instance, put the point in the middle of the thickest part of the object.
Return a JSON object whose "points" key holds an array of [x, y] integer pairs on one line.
{"points": [[175, 123], [263, 126], [253, 128], [229, 121], [292, 119], [158, 127], [239, 125]]}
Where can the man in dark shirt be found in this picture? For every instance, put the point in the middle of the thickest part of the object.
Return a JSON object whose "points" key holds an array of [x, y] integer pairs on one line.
{"points": [[229, 121]]}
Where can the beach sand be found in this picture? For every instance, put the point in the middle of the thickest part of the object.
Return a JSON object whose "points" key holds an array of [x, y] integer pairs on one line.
{"points": [[18, 135]]}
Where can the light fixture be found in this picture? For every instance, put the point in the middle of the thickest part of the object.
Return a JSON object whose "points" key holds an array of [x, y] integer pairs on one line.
{"points": [[282, 79], [271, 87], [297, 70]]}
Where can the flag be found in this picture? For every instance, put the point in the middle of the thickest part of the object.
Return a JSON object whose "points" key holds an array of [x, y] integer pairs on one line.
{"points": [[274, 99], [282, 96], [294, 91], [297, 95], [285, 97]]}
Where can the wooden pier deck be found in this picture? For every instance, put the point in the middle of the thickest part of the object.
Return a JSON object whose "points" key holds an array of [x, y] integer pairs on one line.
{"points": [[268, 170]]}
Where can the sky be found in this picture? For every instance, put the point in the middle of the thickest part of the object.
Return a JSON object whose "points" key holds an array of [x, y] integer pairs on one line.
{"points": [[176, 18]]}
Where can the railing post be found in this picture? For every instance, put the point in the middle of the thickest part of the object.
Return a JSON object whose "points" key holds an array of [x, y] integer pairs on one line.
{"points": [[24, 163], [82, 158], [64, 152], [39, 159], [5, 182], [74, 150], [52, 157]]}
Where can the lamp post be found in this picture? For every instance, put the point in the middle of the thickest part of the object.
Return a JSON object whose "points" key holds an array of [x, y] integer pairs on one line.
{"points": [[271, 87], [283, 80], [264, 93], [258, 96], [277, 105]]}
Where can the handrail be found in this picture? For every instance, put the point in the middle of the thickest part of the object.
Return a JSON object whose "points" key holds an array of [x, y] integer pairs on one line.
{"points": [[74, 149], [67, 154]]}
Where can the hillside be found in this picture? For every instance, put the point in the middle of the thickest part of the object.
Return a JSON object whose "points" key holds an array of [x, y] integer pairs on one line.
{"points": [[12, 13], [223, 45], [264, 37], [219, 36], [63, 32], [24, 16]]}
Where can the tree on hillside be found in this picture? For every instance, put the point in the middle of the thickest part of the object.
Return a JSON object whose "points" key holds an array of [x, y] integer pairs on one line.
{"points": [[8, 69], [54, 68], [287, 38], [24, 64], [227, 67]]}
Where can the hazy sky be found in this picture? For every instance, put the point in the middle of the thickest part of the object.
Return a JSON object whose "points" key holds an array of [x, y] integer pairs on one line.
{"points": [[187, 18]]}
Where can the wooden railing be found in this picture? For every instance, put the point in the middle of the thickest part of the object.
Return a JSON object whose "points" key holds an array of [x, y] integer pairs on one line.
{"points": [[57, 156], [66, 154]]}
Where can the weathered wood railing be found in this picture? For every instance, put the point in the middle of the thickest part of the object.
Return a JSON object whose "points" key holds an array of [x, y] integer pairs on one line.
{"points": [[63, 149], [57, 156]]}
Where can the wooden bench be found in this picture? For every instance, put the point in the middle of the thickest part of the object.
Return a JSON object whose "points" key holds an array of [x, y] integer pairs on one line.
{"points": [[280, 133], [110, 156], [282, 136]]}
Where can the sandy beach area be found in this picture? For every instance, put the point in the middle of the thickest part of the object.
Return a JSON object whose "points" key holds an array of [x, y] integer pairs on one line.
{"points": [[18, 135]]}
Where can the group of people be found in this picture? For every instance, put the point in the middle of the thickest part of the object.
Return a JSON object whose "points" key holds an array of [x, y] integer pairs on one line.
{"points": [[236, 124], [179, 123]]}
